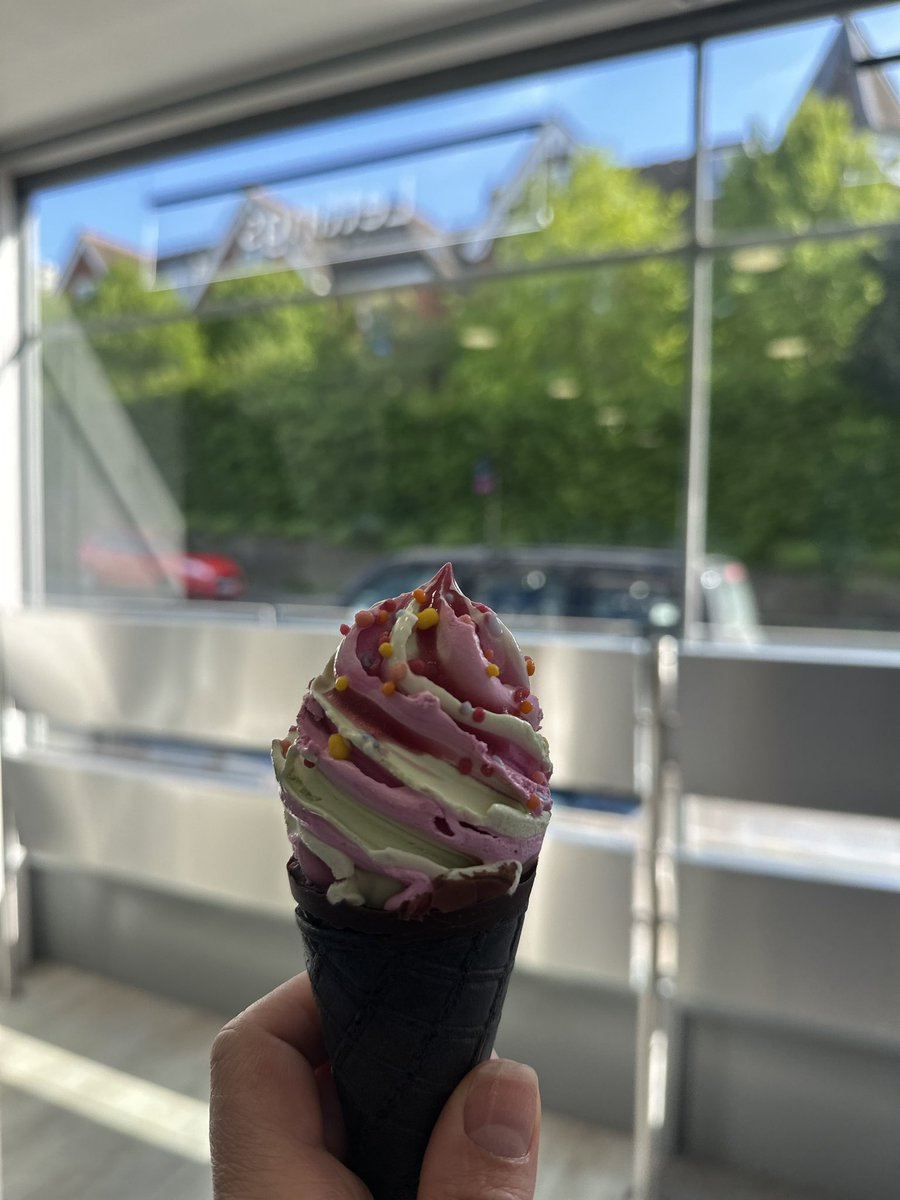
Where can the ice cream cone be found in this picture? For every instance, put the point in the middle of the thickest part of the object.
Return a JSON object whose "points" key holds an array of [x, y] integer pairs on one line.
{"points": [[408, 1009]]}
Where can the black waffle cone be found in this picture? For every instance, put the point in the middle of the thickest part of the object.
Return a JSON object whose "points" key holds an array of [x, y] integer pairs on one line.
{"points": [[407, 1008]]}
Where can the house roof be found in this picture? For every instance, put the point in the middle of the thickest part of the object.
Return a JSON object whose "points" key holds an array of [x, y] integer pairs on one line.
{"points": [[872, 98], [98, 253]]}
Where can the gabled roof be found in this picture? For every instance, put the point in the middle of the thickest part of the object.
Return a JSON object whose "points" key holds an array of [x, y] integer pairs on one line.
{"points": [[98, 254], [873, 101]]}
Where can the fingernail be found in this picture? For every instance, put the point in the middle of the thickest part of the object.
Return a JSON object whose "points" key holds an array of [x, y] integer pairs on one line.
{"points": [[501, 1108]]}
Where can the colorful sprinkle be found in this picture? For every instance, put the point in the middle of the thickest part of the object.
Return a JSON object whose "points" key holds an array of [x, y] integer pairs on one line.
{"points": [[309, 762], [342, 683], [493, 624], [526, 707], [385, 649], [464, 766], [478, 715], [417, 666], [466, 711], [398, 671], [482, 608], [492, 669], [383, 617], [364, 619], [487, 770], [529, 664], [427, 618], [466, 619], [419, 595], [489, 654], [285, 745], [534, 802], [520, 694], [389, 687], [338, 747], [388, 606], [540, 778], [345, 628]]}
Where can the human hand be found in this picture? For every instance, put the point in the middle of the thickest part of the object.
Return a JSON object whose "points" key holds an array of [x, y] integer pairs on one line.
{"points": [[275, 1123]]}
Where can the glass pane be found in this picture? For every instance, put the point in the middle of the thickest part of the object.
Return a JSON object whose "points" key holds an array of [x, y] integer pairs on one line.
{"points": [[566, 163], [798, 137], [805, 450], [880, 29], [278, 450]]}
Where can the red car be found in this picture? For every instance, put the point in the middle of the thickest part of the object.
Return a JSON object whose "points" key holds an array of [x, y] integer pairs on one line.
{"points": [[123, 563]]}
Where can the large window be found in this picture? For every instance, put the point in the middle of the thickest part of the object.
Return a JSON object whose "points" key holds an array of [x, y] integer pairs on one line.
{"points": [[463, 325]]}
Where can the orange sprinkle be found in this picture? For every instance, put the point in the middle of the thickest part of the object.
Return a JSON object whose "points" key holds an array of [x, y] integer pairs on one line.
{"points": [[539, 777], [398, 671], [427, 618], [383, 617], [493, 669], [338, 747], [529, 665], [534, 802], [342, 683], [526, 707], [489, 655], [419, 595], [364, 618], [285, 745], [385, 649], [389, 687]]}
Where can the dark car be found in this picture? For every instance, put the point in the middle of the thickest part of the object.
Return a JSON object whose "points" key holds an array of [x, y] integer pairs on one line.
{"points": [[575, 584], [125, 564]]}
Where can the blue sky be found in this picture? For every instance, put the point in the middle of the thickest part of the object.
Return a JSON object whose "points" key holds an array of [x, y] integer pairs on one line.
{"points": [[638, 109]]}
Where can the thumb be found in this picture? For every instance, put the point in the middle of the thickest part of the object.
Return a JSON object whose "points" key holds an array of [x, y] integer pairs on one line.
{"points": [[486, 1140]]}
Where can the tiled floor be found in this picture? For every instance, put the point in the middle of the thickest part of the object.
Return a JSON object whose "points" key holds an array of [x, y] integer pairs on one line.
{"points": [[74, 1118]]}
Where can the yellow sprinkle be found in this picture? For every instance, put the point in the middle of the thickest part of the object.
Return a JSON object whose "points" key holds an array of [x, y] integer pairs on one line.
{"points": [[338, 747], [493, 669], [385, 649], [342, 683], [427, 617]]}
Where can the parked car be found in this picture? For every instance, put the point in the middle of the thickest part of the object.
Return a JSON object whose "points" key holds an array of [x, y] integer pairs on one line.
{"points": [[124, 563], [575, 584]]}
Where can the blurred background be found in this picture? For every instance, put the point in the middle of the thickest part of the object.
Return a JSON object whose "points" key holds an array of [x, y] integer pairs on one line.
{"points": [[600, 301]]}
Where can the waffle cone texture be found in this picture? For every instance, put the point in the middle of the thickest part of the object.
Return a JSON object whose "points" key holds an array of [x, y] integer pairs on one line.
{"points": [[408, 1008]]}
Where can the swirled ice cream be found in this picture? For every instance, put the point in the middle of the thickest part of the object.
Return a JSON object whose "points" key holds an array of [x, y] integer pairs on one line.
{"points": [[415, 778]]}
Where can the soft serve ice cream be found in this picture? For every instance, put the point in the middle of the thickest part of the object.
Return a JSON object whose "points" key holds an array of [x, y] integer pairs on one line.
{"points": [[415, 778]]}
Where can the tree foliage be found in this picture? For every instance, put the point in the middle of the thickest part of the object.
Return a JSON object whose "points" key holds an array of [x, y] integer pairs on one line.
{"points": [[362, 419]]}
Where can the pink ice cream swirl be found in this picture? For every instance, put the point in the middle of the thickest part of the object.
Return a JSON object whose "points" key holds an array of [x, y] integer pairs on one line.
{"points": [[415, 778]]}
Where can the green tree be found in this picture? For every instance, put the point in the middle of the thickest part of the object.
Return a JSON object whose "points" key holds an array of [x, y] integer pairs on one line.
{"points": [[797, 469]]}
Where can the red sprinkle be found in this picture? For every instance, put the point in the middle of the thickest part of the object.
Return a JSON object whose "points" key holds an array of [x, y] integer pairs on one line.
{"points": [[364, 618], [464, 766], [388, 606], [478, 714], [417, 666], [345, 629], [482, 608], [308, 763], [487, 769], [520, 694]]}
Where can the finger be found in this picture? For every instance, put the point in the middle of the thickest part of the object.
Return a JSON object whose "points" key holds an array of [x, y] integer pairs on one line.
{"points": [[266, 1127], [486, 1140]]}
